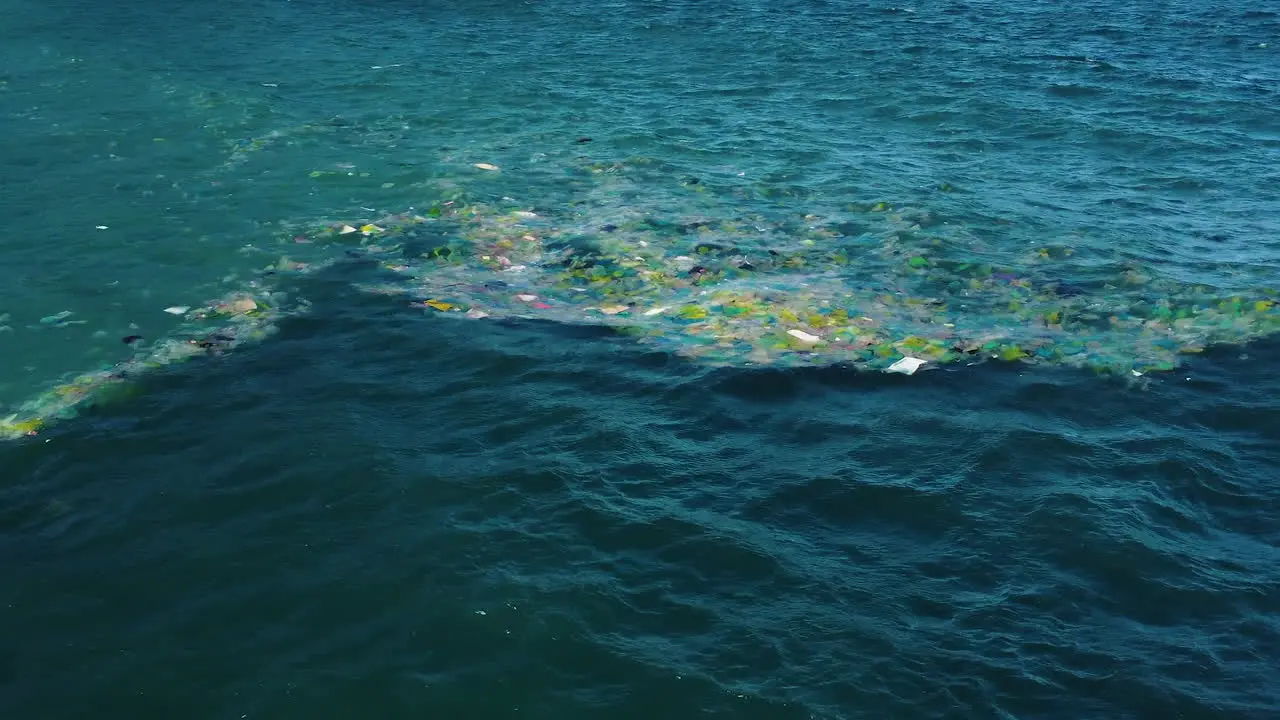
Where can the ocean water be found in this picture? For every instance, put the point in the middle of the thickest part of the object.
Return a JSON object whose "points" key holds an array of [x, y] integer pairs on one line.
{"points": [[374, 508]]}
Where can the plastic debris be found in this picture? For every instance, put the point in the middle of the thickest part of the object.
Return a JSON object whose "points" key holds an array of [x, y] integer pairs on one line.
{"points": [[177, 310], [57, 319], [906, 366], [804, 336], [486, 166]]}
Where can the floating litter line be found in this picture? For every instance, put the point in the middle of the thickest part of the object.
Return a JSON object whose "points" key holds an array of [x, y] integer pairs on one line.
{"points": [[873, 288], [240, 318]]}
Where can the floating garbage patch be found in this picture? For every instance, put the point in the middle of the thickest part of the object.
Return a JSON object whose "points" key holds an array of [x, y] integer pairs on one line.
{"points": [[808, 292], [869, 287]]}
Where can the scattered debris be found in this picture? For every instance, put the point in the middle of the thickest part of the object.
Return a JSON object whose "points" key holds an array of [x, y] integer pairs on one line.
{"points": [[873, 286]]}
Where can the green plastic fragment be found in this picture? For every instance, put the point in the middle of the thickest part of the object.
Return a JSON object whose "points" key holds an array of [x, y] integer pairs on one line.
{"points": [[1011, 353]]}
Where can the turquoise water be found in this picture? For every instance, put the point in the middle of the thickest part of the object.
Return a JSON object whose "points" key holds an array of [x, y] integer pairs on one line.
{"points": [[355, 504]]}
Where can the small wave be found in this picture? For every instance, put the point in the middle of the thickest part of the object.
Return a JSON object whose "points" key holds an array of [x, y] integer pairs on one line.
{"points": [[1094, 63], [1074, 90]]}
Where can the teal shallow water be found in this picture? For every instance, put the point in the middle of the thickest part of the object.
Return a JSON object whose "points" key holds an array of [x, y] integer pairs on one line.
{"points": [[378, 510]]}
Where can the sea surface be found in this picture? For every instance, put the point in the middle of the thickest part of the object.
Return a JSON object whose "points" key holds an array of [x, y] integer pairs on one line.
{"points": [[382, 511]]}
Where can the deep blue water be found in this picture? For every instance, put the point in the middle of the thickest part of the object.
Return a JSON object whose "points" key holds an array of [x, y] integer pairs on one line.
{"points": [[378, 512]]}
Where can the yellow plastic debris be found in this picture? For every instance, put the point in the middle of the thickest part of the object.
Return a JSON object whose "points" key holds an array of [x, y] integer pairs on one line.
{"points": [[13, 426]]}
